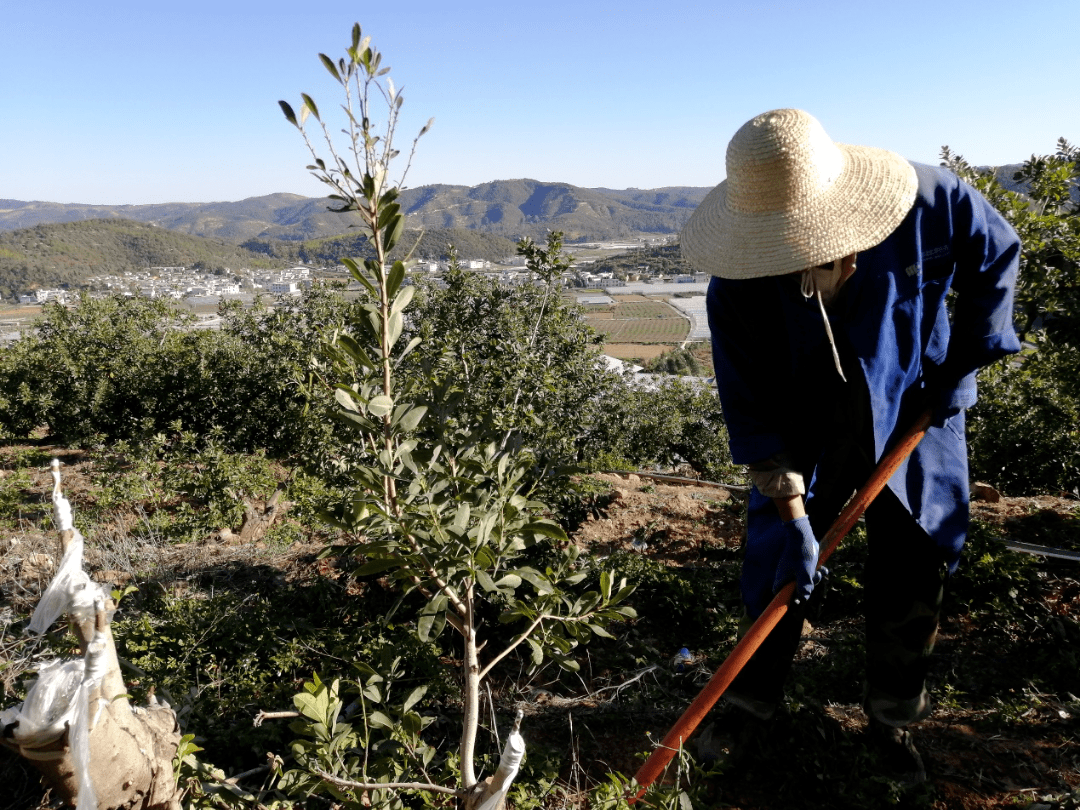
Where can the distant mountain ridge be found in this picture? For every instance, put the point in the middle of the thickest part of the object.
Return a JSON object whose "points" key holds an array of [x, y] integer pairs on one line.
{"points": [[509, 208]]}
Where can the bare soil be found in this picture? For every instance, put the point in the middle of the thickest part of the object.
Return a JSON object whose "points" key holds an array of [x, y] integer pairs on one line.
{"points": [[974, 760]]}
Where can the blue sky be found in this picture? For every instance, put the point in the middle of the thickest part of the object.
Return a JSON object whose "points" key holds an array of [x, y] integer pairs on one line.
{"points": [[117, 102]]}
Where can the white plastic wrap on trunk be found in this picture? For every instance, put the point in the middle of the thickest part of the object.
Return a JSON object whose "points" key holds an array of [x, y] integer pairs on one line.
{"points": [[61, 506], [50, 703], [71, 590], [59, 699], [94, 669], [509, 763]]}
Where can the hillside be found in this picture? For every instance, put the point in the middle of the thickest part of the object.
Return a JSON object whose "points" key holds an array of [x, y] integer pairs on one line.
{"points": [[68, 254], [430, 243], [508, 208]]}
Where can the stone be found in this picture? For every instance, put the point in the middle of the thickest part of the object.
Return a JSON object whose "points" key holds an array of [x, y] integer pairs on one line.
{"points": [[984, 492]]}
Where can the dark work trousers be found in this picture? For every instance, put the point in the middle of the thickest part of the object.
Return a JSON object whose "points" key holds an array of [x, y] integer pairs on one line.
{"points": [[903, 581]]}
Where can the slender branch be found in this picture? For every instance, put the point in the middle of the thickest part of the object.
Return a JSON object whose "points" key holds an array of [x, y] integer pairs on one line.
{"points": [[262, 716], [345, 783], [513, 645], [528, 631]]}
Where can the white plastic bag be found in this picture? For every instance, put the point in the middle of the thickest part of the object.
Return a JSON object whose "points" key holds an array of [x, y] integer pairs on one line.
{"points": [[509, 763], [50, 703]]}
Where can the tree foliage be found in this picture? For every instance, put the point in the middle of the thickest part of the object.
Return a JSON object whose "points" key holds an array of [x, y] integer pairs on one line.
{"points": [[516, 363], [126, 368], [1025, 430]]}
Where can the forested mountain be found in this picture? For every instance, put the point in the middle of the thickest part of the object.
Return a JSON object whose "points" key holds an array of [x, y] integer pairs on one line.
{"points": [[508, 208], [429, 243], [69, 253]]}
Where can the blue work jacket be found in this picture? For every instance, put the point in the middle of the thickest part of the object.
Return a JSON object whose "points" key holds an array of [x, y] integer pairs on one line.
{"points": [[773, 362]]}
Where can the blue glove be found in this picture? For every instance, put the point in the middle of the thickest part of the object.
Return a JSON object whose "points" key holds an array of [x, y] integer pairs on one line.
{"points": [[798, 559]]}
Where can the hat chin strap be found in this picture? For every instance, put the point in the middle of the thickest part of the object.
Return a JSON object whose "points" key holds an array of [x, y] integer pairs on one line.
{"points": [[823, 284]]}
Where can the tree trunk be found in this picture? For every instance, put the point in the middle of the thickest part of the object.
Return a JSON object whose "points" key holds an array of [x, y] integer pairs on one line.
{"points": [[129, 750]]}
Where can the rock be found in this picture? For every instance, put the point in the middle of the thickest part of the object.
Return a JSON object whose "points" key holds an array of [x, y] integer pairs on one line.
{"points": [[984, 492]]}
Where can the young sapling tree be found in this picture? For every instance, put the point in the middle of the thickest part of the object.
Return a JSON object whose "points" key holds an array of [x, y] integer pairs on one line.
{"points": [[449, 518]]}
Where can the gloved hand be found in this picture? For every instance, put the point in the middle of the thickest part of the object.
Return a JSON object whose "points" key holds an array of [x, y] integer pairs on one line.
{"points": [[798, 560]]}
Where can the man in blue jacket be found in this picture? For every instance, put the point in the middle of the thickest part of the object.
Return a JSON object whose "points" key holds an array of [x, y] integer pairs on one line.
{"points": [[831, 332]]}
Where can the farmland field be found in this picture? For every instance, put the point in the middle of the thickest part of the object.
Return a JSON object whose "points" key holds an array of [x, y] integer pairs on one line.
{"points": [[640, 320], [637, 352]]}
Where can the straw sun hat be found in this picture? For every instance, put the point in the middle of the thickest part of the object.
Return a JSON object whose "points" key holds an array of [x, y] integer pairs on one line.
{"points": [[793, 199]]}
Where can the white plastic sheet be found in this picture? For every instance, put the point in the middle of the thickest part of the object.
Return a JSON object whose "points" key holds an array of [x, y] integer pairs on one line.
{"points": [[71, 590], [59, 699], [504, 776], [50, 703]]}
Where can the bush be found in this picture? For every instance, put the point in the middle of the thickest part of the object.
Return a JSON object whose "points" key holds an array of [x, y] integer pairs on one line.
{"points": [[676, 422]]}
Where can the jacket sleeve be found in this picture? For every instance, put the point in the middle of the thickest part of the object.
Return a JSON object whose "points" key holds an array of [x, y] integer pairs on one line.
{"points": [[986, 252], [745, 344]]}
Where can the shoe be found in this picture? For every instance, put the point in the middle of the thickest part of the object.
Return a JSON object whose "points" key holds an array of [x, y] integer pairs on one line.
{"points": [[734, 737], [898, 757]]}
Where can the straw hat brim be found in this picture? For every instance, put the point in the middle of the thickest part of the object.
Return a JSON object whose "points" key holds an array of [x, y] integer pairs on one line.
{"points": [[874, 192]]}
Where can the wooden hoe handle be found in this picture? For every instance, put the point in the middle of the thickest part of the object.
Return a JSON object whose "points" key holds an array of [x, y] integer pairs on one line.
{"points": [[748, 644]]}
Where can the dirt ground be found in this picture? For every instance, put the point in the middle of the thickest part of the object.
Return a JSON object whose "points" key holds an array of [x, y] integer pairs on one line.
{"points": [[972, 765]]}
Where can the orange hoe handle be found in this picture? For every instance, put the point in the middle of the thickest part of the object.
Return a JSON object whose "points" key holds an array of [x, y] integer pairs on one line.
{"points": [[748, 644]]}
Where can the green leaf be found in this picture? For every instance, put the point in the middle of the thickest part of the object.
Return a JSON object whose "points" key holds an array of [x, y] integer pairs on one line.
{"points": [[387, 213], [509, 581], [308, 706], [309, 103], [407, 417], [484, 580], [569, 664], [349, 345], [290, 116], [380, 406], [376, 566], [347, 398], [414, 697], [600, 631], [404, 298], [424, 626], [537, 651], [536, 579], [328, 63], [391, 236], [413, 343], [547, 528], [429, 626], [461, 516], [358, 274], [380, 720], [411, 722], [393, 327]]}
